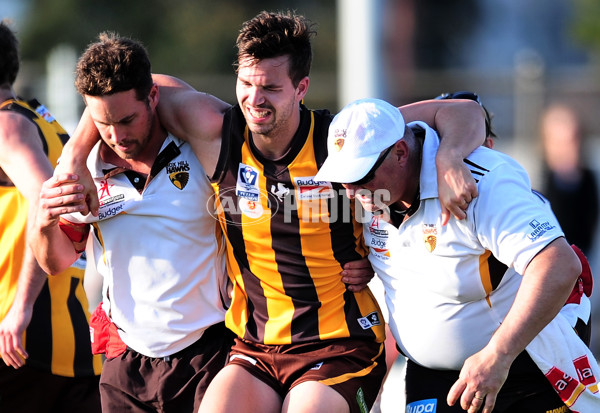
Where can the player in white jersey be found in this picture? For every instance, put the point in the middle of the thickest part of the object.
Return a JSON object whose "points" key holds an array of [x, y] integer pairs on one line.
{"points": [[467, 298], [157, 246]]}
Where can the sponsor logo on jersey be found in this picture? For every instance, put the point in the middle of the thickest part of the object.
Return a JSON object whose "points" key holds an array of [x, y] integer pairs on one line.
{"points": [[422, 406], [378, 239], [247, 183], [104, 190], [562, 409], [110, 212], [309, 189], [280, 191], [370, 320], [429, 236], [45, 113], [226, 206], [104, 196], [539, 229], [179, 173]]}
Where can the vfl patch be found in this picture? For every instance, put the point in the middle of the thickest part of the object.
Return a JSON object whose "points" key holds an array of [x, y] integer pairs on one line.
{"points": [[369, 321], [422, 406], [309, 189], [539, 229], [247, 183], [179, 173], [430, 236]]}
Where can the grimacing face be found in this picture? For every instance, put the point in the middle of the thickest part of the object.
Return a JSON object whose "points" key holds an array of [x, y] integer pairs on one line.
{"points": [[267, 96]]}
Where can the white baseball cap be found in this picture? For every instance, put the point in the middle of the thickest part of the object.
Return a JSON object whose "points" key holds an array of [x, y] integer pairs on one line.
{"points": [[357, 136]]}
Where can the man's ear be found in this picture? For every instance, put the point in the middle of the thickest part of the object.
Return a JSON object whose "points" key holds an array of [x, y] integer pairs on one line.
{"points": [[302, 88], [401, 152]]}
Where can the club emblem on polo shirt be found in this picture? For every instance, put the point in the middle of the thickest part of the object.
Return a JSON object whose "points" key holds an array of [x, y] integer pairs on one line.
{"points": [[430, 236], [340, 137], [179, 173]]}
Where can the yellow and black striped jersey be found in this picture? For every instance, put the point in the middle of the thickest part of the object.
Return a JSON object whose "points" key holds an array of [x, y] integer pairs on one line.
{"points": [[57, 338], [287, 240]]}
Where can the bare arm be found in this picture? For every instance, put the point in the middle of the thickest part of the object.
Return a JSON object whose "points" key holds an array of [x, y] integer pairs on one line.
{"points": [[55, 251], [23, 160], [461, 125], [547, 282], [193, 116]]}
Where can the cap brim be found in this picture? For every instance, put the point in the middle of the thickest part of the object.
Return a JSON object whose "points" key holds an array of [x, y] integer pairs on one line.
{"points": [[342, 170]]}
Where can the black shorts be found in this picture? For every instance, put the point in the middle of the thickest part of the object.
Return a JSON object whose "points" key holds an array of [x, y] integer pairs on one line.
{"points": [[133, 382], [30, 390], [353, 368], [526, 390]]}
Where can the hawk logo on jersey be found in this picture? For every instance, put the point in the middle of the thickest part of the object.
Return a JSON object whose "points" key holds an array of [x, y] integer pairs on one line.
{"points": [[179, 174], [179, 179], [430, 236]]}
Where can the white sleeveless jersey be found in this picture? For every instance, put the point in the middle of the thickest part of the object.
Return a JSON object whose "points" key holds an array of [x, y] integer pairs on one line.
{"points": [[160, 252], [446, 293]]}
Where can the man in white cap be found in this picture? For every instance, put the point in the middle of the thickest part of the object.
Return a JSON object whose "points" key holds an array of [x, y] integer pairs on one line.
{"points": [[467, 300]]}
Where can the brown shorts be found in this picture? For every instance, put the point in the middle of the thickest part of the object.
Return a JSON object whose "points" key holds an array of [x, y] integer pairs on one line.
{"points": [[353, 368], [29, 390], [133, 382]]}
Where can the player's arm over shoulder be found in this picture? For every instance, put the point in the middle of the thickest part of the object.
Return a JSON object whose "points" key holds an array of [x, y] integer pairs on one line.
{"points": [[22, 157], [186, 112], [193, 116]]}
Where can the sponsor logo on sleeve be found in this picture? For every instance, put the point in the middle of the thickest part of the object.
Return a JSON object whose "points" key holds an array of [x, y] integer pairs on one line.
{"points": [[539, 229]]}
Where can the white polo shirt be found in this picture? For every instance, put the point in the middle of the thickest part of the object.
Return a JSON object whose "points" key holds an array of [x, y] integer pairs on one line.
{"points": [[444, 299], [160, 252]]}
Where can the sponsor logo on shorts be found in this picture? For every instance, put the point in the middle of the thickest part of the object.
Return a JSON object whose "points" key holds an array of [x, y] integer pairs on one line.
{"points": [[563, 409], [422, 406], [370, 320], [539, 229], [360, 399]]}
